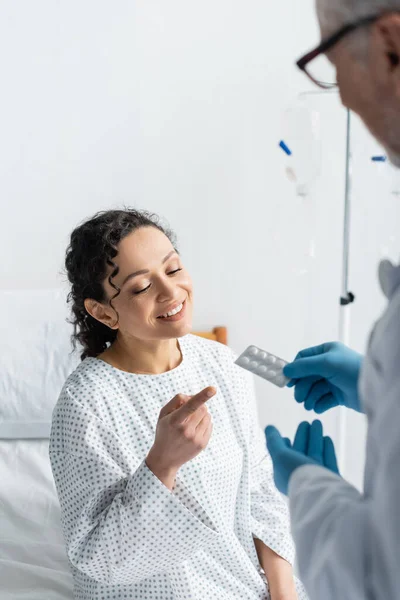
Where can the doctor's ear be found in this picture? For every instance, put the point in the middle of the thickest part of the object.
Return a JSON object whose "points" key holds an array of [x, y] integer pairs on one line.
{"points": [[102, 313], [388, 27]]}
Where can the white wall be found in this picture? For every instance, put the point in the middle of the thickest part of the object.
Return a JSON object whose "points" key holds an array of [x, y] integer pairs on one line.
{"points": [[177, 107]]}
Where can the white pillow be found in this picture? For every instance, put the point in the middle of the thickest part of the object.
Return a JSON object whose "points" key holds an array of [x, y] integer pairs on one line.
{"points": [[35, 355]]}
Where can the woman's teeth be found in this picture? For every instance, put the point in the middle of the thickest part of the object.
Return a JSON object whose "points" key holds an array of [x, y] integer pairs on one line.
{"points": [[173, 312]]}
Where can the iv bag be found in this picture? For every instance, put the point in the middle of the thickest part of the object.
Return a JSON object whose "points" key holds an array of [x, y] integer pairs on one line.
{"points": [[302, 134]]}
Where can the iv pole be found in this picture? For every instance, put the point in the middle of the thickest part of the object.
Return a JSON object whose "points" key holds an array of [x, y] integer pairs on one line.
{"points": [[346, 298]]}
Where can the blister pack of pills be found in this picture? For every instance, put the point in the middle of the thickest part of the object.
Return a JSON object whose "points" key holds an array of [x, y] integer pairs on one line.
{"points": [[265, 365]]}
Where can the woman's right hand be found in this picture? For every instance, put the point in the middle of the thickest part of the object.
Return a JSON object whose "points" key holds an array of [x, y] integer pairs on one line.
{"points": [[183, 430]]}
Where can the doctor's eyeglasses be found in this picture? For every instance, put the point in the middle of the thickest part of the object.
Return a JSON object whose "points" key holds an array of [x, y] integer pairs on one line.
{"points": [[315, 63]]}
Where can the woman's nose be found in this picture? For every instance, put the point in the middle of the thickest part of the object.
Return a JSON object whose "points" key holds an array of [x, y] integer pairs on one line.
{"points": [[166, 289]]}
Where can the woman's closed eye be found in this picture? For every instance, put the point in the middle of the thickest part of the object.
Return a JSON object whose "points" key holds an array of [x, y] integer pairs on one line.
{"points": [[143, 290], [149, 286]]}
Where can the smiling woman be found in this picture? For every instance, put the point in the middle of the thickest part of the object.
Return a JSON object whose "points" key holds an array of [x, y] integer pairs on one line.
{"points": [[128, 301], [160, 497], [142, 293]]}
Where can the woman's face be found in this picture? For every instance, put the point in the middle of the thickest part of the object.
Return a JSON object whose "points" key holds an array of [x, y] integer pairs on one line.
{"points": [[156, 296]]}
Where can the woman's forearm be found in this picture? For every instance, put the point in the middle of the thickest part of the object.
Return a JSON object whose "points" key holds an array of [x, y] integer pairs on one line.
{"points": [[278, 571]]}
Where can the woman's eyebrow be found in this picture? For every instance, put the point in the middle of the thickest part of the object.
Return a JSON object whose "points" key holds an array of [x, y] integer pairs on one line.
{"points": [[144, 271]]}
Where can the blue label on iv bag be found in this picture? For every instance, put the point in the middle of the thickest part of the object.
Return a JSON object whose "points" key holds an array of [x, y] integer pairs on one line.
{"points": [[285, 148], [378, 158]]}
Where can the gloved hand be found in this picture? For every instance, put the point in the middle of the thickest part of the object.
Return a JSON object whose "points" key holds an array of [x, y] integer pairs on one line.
{"points": [[326, 376], [310, 447]]}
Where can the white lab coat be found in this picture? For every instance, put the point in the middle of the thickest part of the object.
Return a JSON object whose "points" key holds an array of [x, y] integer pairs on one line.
{"points": [[348, 544]]}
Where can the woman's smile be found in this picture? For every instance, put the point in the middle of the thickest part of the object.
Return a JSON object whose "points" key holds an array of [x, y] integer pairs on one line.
{"points": [[176, 314]]}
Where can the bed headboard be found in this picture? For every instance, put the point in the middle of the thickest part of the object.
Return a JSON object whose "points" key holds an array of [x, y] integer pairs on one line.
{"points": [[218, 334]]}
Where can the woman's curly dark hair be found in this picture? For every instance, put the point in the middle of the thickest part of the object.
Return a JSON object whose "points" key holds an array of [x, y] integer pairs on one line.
{"points": [[92, 248]]}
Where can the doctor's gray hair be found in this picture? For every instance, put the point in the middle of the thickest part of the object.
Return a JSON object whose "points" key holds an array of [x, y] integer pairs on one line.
{"points": [[333, 14]]}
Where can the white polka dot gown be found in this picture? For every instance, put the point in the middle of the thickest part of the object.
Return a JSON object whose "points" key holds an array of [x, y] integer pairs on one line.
{"points": [[127, 535]]}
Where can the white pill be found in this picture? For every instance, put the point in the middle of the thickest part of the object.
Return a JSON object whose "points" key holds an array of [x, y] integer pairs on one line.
{"points": [[262, 363]]}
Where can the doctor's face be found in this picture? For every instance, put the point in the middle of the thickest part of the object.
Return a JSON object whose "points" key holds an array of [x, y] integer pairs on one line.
{"points": [[156, 295], [367, 63]]}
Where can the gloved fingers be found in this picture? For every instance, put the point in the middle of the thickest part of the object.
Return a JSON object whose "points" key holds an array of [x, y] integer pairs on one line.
{"points": [[325, 403], [330, 455], [311, 351], [275, 442], [287, 442], [301, 354], [316, 442], [317, 391], [300, 443], [304, 387], [306, 367]]}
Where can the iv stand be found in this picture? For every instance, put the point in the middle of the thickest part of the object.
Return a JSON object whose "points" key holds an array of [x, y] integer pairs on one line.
{"points": [[346, 297]]}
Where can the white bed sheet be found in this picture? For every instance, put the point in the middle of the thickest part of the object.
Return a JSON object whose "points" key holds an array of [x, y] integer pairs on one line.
{"points": [[36, 359], [33, 561]]}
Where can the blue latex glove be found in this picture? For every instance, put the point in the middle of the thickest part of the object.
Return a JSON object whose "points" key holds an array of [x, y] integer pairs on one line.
{"points": [[310, 447], [326, 376]]}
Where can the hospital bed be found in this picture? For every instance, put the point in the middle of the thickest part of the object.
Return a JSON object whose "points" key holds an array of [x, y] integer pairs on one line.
{"points": [[35, 360]]}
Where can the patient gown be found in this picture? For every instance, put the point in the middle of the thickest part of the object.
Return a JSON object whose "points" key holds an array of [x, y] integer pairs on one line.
{"points": [[127, 535]]}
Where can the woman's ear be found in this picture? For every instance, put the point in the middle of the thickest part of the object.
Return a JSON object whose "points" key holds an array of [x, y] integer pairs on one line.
{"points": [[102, 313]]}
